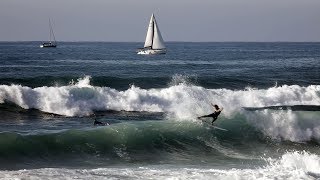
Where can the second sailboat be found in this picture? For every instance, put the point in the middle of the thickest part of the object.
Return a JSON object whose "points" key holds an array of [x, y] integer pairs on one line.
{"points": [[51, 43]]}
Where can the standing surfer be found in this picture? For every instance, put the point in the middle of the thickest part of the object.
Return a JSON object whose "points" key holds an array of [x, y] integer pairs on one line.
{"points": [[215, 114]]}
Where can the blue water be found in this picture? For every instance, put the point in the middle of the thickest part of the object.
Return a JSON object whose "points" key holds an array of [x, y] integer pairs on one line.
{"points": [[49, 98], [211, 65]]}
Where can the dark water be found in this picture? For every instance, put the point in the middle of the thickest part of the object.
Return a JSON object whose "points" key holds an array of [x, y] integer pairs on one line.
{"points": [[50, 97]]}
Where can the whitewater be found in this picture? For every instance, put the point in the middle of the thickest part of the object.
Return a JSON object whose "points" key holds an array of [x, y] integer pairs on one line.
{"points": [[183, 102], [294, 165]]}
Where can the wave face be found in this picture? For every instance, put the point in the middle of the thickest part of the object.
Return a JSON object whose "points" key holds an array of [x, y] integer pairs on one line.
{"points": [[137, 143], [181, 102]]}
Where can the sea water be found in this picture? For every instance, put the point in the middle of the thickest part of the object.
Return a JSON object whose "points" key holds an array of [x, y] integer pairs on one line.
{"points": [[49, 98]]}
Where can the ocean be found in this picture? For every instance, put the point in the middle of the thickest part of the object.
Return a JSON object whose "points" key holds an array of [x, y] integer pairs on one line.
{"points": [[50, 97]]}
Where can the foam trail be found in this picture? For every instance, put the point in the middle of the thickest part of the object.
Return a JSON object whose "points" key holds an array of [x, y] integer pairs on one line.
{"points": [[294, 165]]}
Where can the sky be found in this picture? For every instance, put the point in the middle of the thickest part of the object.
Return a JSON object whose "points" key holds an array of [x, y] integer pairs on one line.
{"points": [[178, 20]]}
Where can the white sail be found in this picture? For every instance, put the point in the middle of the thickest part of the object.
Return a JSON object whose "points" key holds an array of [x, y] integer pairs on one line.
{"points": [[150, 32], [157, 38], [154, 43]]}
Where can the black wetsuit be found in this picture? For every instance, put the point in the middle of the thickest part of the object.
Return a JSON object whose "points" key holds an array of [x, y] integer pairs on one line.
{"points": [[213, 115], [98, 123]]}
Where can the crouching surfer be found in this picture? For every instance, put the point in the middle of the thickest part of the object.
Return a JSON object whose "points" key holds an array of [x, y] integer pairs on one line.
{"points": [[215, 114]]}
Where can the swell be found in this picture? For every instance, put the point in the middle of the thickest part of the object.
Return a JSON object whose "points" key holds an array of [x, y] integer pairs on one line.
{"points": [[113, 82], [156, 81]]}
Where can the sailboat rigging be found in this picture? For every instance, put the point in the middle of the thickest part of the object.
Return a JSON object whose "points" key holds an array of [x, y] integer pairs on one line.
{"points": [[51, 35], [154, 43]]}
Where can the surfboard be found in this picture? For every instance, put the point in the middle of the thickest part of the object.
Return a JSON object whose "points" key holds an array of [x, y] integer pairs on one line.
{"points": [[213, 126], [216, 127]]}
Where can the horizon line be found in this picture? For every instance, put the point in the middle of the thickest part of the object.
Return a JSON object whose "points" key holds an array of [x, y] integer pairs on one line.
{"points": [[168, 41]]}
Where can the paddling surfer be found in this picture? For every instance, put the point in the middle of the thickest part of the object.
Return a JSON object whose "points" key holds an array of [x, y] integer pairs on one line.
{"points": [[215, 114], [98, 123]]}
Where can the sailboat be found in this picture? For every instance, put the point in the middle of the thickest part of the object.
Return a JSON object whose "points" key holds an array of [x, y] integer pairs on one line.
{"points": [[50, 43], [154, 43]]}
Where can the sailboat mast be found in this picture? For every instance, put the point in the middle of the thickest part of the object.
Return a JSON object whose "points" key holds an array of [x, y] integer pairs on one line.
{"points": [[51, 32], [152, 33], [50, 29], [54, 38]]}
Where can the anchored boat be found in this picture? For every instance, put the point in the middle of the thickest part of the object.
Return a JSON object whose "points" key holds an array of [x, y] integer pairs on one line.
{"points": [[51, 35]]}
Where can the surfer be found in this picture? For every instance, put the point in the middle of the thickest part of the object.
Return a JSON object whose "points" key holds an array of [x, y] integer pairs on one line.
{"points": [[215, 114], [98, 123]]}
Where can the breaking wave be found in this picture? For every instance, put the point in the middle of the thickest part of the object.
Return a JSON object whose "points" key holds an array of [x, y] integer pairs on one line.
{"points": [[181, 101]]}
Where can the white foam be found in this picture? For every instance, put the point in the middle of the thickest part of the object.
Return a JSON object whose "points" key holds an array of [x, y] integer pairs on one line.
{"points": [[287, 125], [294, 165], [182, 100]]}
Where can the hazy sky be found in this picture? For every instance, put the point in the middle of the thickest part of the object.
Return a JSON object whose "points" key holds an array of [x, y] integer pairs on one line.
{"points": [[179, 20]]}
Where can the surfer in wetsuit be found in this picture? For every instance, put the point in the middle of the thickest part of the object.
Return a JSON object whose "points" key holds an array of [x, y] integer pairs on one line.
{"points": [[215, 114], [98, 123]]}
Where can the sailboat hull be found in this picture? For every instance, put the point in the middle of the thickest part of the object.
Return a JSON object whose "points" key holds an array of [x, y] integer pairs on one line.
{"points": [[151, 51], [48, 46]]}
